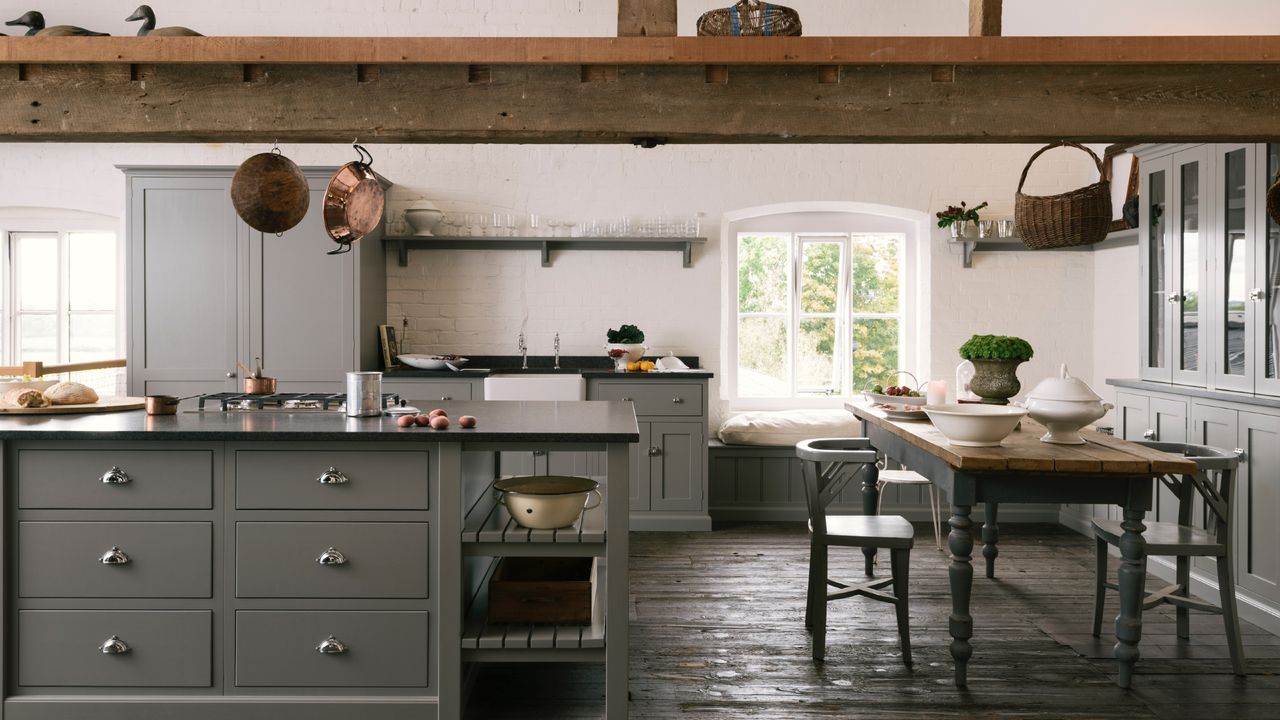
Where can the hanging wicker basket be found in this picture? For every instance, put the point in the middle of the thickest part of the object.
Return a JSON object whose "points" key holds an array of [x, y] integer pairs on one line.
{"points": [[1079, 217]]}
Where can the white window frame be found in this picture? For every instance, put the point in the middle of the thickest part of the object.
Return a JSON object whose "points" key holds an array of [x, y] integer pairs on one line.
{"points": [[817, 220], [60, 222]]}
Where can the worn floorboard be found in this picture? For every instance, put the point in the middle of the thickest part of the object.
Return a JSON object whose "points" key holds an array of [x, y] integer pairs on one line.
{"points": [[717, 630]]}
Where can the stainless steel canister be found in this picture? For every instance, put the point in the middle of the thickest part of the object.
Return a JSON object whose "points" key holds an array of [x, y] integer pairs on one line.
{"points": [[364, 394]]}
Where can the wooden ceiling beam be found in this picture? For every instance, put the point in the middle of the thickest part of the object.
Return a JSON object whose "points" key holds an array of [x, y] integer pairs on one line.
{"points": [[645, 50], [552, 104]]}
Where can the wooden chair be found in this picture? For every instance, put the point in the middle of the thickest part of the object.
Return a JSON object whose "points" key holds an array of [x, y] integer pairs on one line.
{"points": [[827, 466], [1214, 483]]}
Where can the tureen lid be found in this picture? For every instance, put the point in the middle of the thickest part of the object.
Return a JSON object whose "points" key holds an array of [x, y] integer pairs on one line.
{"points": [[1064, 387]]}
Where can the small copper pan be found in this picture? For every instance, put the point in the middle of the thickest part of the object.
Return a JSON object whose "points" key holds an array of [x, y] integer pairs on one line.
{"points": [[353, 203]]}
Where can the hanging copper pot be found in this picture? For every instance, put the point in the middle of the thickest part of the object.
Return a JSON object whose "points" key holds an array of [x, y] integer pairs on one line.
{"points": [[270, 192], [353, 203]]}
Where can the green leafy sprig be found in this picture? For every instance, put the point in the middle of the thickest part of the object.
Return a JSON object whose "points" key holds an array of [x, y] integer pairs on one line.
{"points": [[955, 214], [626, 335], [996, 347]]}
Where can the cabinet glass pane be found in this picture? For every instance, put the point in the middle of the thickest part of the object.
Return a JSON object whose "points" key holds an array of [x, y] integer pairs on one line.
{"points": [[1189, 269], [1233, 261], [1156, 298], [1271, 290]]}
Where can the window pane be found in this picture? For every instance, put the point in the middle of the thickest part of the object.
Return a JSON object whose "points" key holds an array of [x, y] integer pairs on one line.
{"points": [[1235, 226], [820, 277], [875, 351], [93, 337], [763, 262], [37, 272], [815, 357], [762, 357], [38, 338], [873, 273], [92, 271]]}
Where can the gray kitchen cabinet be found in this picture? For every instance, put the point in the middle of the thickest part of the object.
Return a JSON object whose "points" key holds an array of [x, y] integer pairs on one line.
{"points": [[1258, 506], [423, 391], [206, 291], [379, 649], [669, 464], [1147, 417]]}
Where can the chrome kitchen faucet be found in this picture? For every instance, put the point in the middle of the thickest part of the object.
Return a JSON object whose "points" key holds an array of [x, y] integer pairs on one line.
{"points": [[524, 353], [557, 365]]}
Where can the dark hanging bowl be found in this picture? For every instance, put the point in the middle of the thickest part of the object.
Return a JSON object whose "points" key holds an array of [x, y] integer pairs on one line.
{"points": [[270, 193]]}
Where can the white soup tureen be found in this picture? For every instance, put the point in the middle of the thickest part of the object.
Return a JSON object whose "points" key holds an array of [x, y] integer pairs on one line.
{"points": [[1065, 404]]}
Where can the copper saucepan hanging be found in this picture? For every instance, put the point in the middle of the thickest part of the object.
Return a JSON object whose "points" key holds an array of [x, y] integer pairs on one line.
{"points": [[353, 203], [270, 192]]}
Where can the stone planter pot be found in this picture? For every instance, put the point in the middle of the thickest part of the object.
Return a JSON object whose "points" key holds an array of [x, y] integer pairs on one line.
{"points": [[995, 381]]}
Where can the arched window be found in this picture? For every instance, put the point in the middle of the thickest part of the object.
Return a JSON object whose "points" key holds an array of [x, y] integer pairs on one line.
{"points": [[822, 300]]}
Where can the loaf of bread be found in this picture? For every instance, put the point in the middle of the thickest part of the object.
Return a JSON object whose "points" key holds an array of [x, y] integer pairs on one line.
{"points": [[71, 393], [25, 398]]}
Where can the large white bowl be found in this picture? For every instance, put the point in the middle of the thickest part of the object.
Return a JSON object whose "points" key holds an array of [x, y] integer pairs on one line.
{"points": [[974, 425], [432, 362], [547, 502]]}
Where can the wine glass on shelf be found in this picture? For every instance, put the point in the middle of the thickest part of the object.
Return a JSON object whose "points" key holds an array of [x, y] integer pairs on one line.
{"points": [[513, 225], [534, 230], [499, 224], [482, 219]]}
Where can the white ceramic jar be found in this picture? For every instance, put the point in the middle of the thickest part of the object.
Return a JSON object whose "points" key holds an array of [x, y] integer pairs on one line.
{"points": [[1064, 405]]}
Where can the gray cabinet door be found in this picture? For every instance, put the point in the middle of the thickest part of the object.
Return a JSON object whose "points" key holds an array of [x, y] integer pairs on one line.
{"points": [[161, 648], [422, 392], [1236, 193], [676, 471], [352, 480], [183, 283], [641, 468], [364, 560], [367, 649], [1216, 427], [149, 559], [1169, 420], [1257, 506], [146, 479], [1155, 252], [301, 302]]}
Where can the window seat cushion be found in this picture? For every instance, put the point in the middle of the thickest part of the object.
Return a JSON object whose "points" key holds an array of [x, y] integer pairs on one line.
{"points": [[787, 427]]}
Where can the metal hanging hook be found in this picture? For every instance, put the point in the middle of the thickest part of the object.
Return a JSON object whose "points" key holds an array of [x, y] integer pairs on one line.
{"points": [[366, 158], [275, 147]]}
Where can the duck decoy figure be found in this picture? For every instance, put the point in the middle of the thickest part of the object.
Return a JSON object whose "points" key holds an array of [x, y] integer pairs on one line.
{"points": [[34, 22], [148, 18]]}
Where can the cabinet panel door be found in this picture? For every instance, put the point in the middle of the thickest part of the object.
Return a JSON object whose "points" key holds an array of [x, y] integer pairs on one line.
{"points": [[1257, 505], [638, 493], [1235, 194], [183, 238], [1169, 420], [1216, 427], [301, 301], [1188, 266], [1155, 244], [1133, 422], [678, 468], [1266, 285]]}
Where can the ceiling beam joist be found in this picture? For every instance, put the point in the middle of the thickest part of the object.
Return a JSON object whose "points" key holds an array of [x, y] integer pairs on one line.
{"points": [[553, 104]]}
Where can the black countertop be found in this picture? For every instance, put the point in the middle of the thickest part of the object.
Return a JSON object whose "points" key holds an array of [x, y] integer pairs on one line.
{"points": [[497, 421], [586, 365]]}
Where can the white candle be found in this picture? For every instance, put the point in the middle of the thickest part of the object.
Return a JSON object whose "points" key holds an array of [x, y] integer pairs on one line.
{"points": [[936, 392]]}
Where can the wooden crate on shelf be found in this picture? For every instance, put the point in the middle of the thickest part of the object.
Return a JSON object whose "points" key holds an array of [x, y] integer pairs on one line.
{"points": [[537, 590]]}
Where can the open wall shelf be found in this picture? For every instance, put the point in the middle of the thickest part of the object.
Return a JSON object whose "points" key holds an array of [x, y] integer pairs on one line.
{"points": [[544, 245], [969, 246]]}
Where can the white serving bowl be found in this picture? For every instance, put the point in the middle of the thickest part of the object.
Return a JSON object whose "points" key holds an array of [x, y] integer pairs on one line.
{"points": [[974, 425], [634, 351], [879, 399], [547, 502], [432, 362], [1064, 404]]}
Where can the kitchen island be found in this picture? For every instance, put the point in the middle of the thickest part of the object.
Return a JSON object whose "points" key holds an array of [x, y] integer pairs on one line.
{"points": [[290, 564]]}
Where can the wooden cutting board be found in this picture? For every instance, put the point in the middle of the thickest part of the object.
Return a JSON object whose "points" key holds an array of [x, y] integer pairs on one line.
{"points": [[105, 404]]}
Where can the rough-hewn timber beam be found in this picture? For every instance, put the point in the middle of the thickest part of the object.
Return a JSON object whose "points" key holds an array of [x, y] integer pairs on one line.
{"points": [[646, 18], [647, 50], [984, 17], [439, 103]]}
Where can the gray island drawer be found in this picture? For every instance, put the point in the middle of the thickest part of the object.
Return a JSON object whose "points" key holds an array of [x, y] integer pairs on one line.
{"points": [[287, 479], [416, 392], [378, 649], [73, 479], [382, 560], [166, 648], [165, 559], [655, 398]]}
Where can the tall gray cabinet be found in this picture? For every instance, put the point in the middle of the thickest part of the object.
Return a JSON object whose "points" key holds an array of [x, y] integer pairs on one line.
{"points": [[1210, 338], [206, 291]]}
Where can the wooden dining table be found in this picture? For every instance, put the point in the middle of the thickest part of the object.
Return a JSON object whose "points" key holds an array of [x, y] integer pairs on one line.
{"points": [[1104, 470]]}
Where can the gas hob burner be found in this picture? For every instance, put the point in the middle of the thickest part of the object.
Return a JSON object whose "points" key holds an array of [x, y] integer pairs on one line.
{"points": [[282, 402]]}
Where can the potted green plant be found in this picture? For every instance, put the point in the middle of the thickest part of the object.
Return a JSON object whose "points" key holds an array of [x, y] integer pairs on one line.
{"points": [[625, 343], [995, 361], [958, 218]]}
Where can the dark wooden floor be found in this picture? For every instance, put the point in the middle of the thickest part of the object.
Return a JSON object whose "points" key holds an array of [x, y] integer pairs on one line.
{"points": [[717, 632]]}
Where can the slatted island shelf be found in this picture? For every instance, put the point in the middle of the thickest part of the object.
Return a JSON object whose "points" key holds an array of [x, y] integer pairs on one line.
{"points": [[219, 565]]}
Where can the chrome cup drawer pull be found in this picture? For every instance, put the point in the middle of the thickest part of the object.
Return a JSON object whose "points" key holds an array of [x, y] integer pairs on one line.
{"points": [[115, 476], [332, 556], [330, 646], [114, 556], [677, 401], [114, 646], [332, 476]]}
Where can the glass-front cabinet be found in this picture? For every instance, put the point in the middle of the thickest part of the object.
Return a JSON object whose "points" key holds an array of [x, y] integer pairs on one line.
{"points": [[1173, 212], [1210, 258]]}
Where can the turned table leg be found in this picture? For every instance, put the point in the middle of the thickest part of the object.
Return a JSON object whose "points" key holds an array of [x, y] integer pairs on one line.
{"points": [[1133, 580], [870, 505], [961, 574], [990, 536]]}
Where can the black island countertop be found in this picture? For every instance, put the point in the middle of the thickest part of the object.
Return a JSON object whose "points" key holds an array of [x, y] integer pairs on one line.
{"points": [[584, 365], [497, 421]]}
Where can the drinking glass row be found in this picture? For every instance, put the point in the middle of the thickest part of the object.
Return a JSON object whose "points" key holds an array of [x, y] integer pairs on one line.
{"points": [[458, 224]]}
